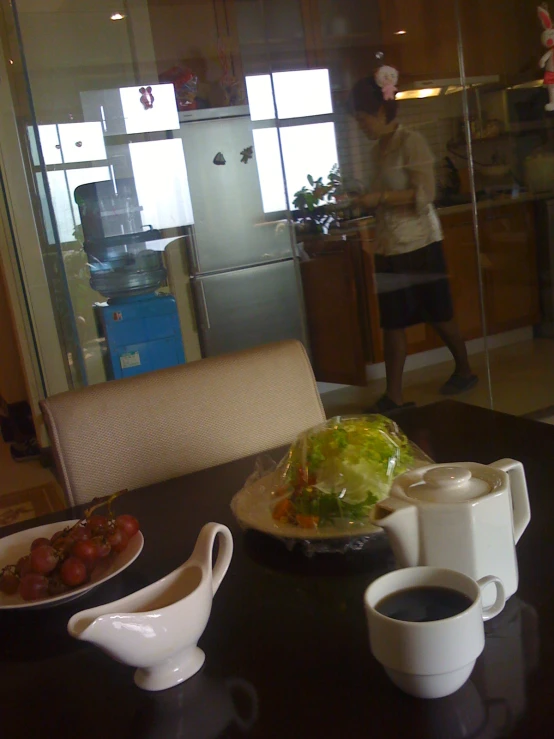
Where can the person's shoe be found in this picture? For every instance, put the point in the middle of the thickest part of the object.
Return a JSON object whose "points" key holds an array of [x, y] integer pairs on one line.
{"points": [[457, 384], [386, 407], [25, 451]]}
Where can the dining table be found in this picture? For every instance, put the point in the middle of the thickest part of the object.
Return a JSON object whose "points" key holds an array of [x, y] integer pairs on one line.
{"points": [[287, 649]]}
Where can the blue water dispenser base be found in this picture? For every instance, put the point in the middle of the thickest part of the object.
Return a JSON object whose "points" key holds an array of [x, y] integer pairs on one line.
{"points": [[142, 334]]}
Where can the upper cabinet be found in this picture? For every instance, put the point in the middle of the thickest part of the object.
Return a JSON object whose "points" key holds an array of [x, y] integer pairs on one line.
{"points": [[420, 38]]}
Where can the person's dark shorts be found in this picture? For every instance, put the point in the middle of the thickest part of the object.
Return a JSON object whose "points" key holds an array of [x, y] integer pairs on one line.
{"points": [[413, 288]]}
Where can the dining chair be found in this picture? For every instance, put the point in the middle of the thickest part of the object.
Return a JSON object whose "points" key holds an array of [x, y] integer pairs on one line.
{"points": [[152, 427]]}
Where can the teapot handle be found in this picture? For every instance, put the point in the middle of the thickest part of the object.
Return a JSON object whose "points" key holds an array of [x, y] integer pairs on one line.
{"points": [[519, 494]]}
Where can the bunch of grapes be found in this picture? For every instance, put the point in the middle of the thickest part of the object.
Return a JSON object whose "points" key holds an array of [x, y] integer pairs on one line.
{"points": [[68, 559]]}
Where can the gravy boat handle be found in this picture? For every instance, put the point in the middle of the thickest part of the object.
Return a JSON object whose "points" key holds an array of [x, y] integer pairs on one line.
{"points": [[203, 551]]}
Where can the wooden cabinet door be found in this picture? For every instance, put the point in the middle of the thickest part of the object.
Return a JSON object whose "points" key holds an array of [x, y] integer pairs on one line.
{"points": [[429, 46], [334, 316], [463, 271], [509, 268]]}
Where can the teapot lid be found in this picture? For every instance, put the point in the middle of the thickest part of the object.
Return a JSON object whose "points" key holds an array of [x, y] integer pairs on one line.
{"points": [[447, 483]]}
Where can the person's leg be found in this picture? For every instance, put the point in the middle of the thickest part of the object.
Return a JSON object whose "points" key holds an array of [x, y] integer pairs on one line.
{"points": [[395, 357], [450, 334]]}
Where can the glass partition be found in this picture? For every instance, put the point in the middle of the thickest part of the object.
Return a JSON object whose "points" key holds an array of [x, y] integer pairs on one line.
{"points": [[211, 176]]}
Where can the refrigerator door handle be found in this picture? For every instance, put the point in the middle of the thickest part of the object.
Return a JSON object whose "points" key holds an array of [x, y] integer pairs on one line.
{"points": [[204, 305]]}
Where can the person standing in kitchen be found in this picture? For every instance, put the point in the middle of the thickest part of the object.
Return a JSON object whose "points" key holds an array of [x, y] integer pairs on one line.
{"points": [[410, 267]]}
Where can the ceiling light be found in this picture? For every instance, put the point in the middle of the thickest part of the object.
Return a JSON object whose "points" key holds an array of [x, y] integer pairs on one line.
{"points": [[116, 17], [402, 32], [427, 92]]}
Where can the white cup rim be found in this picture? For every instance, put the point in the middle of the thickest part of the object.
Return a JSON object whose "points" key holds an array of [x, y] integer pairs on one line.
{"points": [[410, 573]]}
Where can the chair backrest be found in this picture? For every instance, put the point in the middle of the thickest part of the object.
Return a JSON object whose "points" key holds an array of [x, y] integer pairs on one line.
{"points": [[152, 427]]}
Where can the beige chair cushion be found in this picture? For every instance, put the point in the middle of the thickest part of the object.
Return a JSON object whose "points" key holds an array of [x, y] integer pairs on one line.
{"points": [[141, 430]]}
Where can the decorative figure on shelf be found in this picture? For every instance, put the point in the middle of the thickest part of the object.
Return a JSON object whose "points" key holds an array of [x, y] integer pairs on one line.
{"points": [[547, 60], [146, 97], [246, 154], [219, 159], [387, 79]]}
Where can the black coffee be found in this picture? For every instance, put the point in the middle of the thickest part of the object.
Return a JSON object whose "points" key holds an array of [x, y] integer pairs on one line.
{"points": [[423, 604]]}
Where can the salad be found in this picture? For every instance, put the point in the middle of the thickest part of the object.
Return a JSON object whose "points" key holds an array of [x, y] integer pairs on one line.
{"points": [[337, 471]]}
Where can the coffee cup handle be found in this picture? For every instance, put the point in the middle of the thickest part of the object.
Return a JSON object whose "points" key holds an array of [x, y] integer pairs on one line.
{"points": [[499, 603]]}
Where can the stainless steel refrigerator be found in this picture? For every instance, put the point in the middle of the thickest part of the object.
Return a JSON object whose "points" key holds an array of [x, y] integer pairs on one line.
{"points": [[245, 277]]}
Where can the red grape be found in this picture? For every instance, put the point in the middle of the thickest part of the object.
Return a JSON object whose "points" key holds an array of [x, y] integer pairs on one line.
{"points": [[44, 559], [80, 532], [98, 524], [73, 571], [9, 583], [103, 547], [39, 542], [56, 586], [128, 523], [87, 551], [33, 586], [118, 540], [23, 566]]}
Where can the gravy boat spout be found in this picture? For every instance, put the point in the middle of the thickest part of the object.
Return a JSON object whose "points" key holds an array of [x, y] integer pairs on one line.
{"points": [[157, 628]]}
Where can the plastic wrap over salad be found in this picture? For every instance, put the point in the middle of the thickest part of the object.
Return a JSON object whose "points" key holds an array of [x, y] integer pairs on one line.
{"points": [[330, 479]]}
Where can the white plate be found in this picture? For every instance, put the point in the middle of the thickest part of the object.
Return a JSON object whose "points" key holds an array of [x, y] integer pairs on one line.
{"points": [[252, 509], [18, 545]]}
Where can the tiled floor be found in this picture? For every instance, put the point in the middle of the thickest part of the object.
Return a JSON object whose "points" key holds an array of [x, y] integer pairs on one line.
{"points": [[522, 379]]}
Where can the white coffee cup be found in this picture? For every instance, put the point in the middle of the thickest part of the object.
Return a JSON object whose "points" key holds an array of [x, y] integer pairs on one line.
{"points": [[434, 658]]}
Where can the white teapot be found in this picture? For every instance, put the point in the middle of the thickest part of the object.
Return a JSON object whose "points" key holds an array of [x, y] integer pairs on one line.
{"points": [[466, 517]]}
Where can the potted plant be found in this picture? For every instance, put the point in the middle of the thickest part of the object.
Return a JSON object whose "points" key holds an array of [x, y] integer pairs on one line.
{"points": [[317, 207]]}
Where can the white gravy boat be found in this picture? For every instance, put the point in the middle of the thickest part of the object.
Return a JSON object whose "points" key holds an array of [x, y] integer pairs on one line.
{"points": [[157, 628]]}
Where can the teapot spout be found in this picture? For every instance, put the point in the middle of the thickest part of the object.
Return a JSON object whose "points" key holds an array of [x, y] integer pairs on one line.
{"points": [[400, 521]]}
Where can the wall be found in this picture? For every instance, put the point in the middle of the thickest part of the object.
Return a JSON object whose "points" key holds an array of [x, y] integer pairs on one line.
{"points": [[12, 383]]}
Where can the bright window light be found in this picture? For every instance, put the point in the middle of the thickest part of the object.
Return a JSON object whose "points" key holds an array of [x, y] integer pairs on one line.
{"points": [[163, 116], [270, 172], [260, 97], [310, 149], [48, 136], [161, 182], [82, 142], [302, 93]]}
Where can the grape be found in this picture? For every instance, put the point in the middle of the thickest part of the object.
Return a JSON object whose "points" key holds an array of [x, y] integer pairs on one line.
{"points": [[98, 524], [87, 551], [80, 533], [73, 571], [33, 586], [128, 524], [9, 583], [43, 559], [23, 566], [118, 540], [56, 586], [102, 545], [39, 542]]}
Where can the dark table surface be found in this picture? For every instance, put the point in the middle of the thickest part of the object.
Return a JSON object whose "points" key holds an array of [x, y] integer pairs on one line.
{"points": [[286, 647]]}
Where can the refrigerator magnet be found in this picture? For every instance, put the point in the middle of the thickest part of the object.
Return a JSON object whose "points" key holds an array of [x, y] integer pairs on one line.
{"points": [[219, 158]]}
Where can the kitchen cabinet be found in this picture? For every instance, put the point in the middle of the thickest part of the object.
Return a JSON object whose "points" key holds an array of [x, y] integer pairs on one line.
{"points": [[461, 259], [509, 267], [335, 311], [341, 297], [427, 48]]}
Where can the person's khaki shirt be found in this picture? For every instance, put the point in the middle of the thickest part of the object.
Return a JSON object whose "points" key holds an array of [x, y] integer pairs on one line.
{"points": [[406, 164]]}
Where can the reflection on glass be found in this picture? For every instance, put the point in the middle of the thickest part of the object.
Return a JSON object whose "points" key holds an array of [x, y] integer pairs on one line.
{"points": [[162, 116], [163, 190]]}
